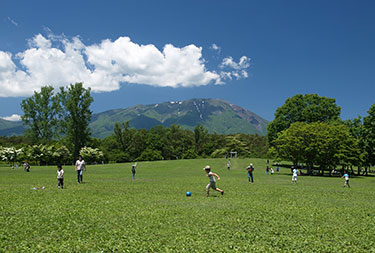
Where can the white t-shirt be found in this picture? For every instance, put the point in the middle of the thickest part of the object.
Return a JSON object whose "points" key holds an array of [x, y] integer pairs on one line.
{"points": [[295, 172], [346, 176], [211, 177], [80, 164], [60, 173]]}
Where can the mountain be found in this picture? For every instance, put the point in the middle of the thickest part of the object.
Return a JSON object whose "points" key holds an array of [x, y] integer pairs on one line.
{"points": [[9, 128], [216, 115]]}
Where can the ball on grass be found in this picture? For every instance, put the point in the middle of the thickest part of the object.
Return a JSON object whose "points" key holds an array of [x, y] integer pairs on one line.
{"points": [[188, 194]]}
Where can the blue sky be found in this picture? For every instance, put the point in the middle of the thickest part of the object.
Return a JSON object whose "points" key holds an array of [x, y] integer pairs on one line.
{"points": [[254, 54]]}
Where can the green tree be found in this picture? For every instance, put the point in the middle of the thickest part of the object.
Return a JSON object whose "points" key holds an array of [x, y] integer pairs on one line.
{"points": [[369, 137], [123, 136], [200, 138], [302, 108], [317, 143], [76, 116], [41, 115]]}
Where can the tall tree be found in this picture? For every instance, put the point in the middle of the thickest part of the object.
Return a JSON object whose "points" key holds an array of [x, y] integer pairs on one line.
{"points": [[369, 136], [40, 113], [303, 108], [200, 138], [318, 143], [76, 115], [123, 136]]}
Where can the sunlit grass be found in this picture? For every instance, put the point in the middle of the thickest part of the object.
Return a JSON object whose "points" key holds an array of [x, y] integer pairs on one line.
{"points": [[111, 212]]}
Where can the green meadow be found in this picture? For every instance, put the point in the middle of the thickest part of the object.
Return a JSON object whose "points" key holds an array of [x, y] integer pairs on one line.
{"points": [[109, 212]]}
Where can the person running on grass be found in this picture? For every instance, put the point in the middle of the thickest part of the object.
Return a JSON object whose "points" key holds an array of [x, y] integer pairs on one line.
{"points": [[228, 165], [346, 176], [212, 183]]}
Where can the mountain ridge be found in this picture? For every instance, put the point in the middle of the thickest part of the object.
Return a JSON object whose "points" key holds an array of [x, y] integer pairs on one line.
{"points": [[215, 115]]}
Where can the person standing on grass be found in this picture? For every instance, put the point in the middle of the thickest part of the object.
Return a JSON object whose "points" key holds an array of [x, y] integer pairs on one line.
{"points": [[295, 174], [80, 166], [228, 165], [346, 176], [60, 177], [250, 170], [212, 183], [134, 167]]}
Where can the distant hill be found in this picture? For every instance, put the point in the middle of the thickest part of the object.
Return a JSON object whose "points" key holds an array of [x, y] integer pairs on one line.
{"points": [[10, 128], [216, 115]]}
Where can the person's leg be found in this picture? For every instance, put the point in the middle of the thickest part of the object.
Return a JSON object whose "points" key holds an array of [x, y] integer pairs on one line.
{"points": [[62, 183], [207, 190], [58, 183], [133, 176], [78, 176], [248, 176], [220, 190], [252, 179], [81, 175]]}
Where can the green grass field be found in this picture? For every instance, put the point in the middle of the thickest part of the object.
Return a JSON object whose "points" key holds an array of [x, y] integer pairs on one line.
{"points": [[110, 212]]}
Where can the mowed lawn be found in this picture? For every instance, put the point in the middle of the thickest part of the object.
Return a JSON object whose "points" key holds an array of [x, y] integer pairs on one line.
{"points": [[110, 212]]}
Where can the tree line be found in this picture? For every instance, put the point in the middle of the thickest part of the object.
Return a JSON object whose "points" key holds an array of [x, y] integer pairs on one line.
{"points": [[58, 130], [308, 130]]}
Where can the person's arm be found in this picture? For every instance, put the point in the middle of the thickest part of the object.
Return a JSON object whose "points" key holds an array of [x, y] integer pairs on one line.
{"points": [[216, 175], [84, 165], [75, 168]]}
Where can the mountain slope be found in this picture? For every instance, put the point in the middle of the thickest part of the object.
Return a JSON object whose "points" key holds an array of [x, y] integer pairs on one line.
{"points": [[216, 115], [9, 128]]}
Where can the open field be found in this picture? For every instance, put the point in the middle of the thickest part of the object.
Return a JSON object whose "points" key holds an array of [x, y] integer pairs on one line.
{"points": [[110, 212]]}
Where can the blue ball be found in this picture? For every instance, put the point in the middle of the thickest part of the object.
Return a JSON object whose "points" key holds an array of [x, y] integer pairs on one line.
{"points": [[188, 194]]}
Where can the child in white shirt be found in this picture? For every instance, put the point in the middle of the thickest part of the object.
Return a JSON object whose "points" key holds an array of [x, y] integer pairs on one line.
{"points": [[60, 177]]}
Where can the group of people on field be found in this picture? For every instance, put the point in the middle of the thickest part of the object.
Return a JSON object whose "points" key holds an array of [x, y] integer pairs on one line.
{"points": [[250, 170]]}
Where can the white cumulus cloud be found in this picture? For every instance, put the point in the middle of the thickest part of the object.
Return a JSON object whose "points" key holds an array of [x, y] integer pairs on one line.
{"points": [[215, 48], [14, 117], [239, 69], [59, 61]]}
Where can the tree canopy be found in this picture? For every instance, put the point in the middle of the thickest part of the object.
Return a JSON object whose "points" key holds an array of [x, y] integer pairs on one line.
{"points": [[317, 143], [302, 108], [41, 115]]}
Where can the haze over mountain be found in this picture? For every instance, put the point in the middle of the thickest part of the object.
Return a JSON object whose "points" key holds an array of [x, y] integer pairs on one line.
{"points": [[216, 115]]}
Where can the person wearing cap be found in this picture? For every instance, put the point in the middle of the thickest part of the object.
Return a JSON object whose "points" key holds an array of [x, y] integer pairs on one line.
{"points": [[212, 183], [250, 170], [134, 167]]}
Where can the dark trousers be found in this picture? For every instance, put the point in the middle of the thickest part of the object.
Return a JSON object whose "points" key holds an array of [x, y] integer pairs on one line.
{"points": [[250, 176], [60, 182], [79, 176]]}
